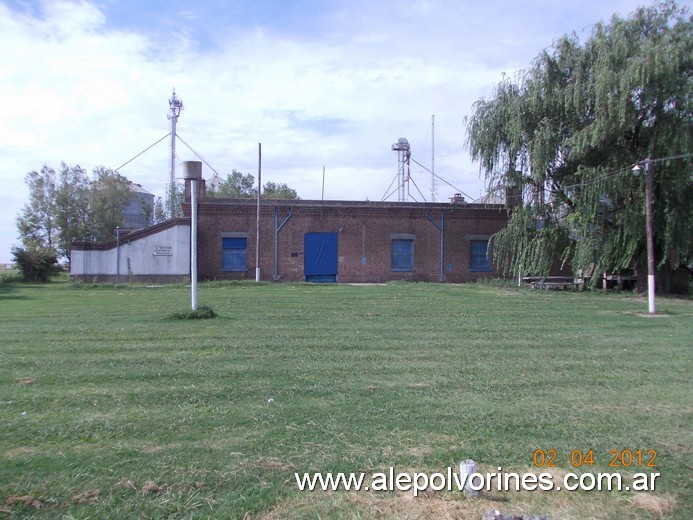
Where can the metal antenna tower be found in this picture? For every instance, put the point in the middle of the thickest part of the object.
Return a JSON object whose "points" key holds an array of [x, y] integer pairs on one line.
{"points": [[434, 194], [403, 168], [175, 106]]}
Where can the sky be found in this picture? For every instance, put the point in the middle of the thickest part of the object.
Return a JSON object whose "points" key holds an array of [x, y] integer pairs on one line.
{"points": [[321, 84]]}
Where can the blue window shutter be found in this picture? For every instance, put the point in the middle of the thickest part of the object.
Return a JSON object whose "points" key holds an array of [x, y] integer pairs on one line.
{"points": [[478, 258], [234, 254], [235, 243], [402, 255]]}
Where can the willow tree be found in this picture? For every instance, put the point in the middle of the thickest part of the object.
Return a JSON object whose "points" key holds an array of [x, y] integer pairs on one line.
{"points": [[567, 132]]}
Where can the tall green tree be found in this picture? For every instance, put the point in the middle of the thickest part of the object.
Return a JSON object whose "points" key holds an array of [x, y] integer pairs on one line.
{"points": [[239, 185], [72, 209], [567, 132], [69, 206], [109, 194], [37, 220], [171, 206], [272, 190], [236, 185]]}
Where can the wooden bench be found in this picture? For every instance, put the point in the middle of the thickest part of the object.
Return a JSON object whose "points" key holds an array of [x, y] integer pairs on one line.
{"points": [[620, 280], [553, 282]]}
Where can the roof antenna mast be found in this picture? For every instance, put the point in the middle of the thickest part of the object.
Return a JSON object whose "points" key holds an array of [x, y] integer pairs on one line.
{"points": [[434, 194], [403, 168], [175, 106]]}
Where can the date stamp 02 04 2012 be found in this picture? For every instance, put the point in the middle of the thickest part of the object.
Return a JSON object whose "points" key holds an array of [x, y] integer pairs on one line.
{"points": [[625, 458]]}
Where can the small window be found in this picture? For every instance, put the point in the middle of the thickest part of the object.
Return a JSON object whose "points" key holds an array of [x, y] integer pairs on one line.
{"points": [[478, 257], [234, 254], [402, 255]]}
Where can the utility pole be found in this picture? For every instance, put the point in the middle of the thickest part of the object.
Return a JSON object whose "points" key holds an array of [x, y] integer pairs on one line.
{"points": [[257, 219], [650, 238], [175, 106], [649, 227], [117, 255]]}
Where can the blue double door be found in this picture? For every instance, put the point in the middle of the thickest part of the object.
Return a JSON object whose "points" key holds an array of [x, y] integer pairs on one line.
{"points": [[320, 257]]}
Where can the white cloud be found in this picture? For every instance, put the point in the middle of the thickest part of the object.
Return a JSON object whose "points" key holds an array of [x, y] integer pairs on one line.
{"points": [[335, 92]]}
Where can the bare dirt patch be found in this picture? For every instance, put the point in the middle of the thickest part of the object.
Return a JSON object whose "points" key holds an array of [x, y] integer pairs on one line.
{"points": [[18, 452], [654, 504], [221, 444], [270, 463], [370, 505], [24, 381], [155, 448], [151, 487], [87, 497], [420, 385], [446, 506], [24, 500], [420, 451], [415, 507], [124, 483]]}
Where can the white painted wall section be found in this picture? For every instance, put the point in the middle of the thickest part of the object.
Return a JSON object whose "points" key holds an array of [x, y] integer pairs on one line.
{"points": [[164, 253]]}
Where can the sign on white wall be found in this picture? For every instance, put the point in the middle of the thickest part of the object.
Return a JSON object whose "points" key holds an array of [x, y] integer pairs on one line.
{"points": [[163, 251]]}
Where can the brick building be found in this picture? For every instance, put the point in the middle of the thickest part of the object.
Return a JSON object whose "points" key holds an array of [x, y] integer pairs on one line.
{"points": [[346, 241]]}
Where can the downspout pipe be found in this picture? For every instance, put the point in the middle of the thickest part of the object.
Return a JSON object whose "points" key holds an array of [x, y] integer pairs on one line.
{"points": [[441, 229], [277, 229]]}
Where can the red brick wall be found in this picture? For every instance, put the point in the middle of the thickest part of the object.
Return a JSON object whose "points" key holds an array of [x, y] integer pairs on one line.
{"points": [[364, 229]]}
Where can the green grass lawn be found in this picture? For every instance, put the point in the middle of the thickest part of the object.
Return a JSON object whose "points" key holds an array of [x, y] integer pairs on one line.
{"points": [[109, 408]]}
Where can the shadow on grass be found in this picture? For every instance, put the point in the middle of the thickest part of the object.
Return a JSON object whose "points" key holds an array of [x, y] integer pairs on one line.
{"points": [[10, 286]]}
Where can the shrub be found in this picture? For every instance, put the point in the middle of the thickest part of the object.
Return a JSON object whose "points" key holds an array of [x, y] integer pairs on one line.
{"points": [[201, 313], [36, 263]]}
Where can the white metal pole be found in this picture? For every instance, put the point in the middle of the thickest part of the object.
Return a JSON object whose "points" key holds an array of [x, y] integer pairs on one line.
{"points": [[172, 179], [257, 222], [175, 106], [193, 243], [117, 255], [400, 176], [650, 239], [408, 177], [433, 158]]}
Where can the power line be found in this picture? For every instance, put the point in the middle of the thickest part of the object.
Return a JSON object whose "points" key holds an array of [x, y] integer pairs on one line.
{"points": [[616, 173], [605, 176], [672, 157]]}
